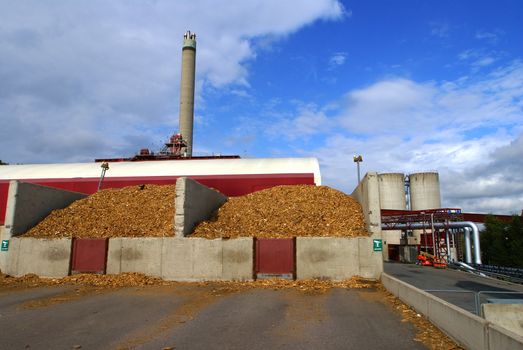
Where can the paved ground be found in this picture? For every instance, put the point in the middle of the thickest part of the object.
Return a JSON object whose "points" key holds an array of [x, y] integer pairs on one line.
{"points": [[190, 317], [429, 278]]}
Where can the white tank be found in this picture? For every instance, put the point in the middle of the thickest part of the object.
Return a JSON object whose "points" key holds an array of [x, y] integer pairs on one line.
{"points": [[424, 191], [392, 196], [392, 191]]}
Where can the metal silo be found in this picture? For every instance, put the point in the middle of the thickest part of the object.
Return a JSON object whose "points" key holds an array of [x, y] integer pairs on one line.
{"points": [[392, 196], [424, 191]]}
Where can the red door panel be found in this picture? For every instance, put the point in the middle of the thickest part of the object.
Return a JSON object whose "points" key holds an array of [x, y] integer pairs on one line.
{"points": [[275, 256], [89, 255]]}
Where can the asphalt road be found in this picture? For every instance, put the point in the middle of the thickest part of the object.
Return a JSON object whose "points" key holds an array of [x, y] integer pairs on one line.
{"points": [[447, 280], [190, 317]]}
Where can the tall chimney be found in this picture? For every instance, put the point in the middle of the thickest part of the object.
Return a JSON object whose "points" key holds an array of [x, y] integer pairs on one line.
{"points": [[187, 89]]}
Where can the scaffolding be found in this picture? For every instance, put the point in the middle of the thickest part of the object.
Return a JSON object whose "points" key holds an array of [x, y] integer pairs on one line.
{"points": [[434, 241]]}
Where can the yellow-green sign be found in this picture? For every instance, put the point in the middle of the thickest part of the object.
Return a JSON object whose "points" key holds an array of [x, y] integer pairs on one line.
{"points": [[377, 245]]}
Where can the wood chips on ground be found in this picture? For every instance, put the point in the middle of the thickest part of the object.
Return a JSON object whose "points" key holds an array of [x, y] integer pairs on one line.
{"points": [[287, 211], [426, 332], [134, 211], [134, 279]]}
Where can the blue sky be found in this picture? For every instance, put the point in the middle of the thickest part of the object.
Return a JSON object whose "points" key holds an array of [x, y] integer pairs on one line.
{"points": [[410, 85]]}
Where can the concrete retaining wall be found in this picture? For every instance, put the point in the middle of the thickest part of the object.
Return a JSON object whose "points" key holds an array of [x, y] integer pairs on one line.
{"points": [[336, 258], [43, 257], [135, 255], [469, 330], [194, 203], [28, 204], [182, 259]]}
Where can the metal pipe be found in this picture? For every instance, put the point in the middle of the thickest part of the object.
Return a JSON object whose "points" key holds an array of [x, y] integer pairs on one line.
{"points": [[447, 239], [457, 224], [468, 250]]}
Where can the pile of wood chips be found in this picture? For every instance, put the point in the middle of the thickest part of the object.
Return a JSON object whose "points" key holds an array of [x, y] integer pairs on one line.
{"points": [[134, 211], [287, 211]]}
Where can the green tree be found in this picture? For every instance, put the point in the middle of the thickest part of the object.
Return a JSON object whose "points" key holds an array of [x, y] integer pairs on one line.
{"points": [[2, 163], [502, 243]]}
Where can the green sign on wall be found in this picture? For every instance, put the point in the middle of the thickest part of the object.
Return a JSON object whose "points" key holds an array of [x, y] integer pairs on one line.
{"points": [[377, 245], [5, 245]]}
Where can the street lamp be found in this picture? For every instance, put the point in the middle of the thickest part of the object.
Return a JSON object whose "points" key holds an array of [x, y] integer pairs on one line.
{"points": [[357, 160]]}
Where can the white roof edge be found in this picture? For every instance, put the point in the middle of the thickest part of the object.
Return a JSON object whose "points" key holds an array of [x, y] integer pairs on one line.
{"points": [[165, 168]]}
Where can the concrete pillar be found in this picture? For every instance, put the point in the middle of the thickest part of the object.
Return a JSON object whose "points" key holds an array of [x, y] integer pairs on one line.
{"points": [[187, 90]]}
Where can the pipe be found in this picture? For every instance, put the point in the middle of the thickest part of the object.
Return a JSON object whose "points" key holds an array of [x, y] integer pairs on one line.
{"points": [[468, 251], [458, 224], [447, 239]]}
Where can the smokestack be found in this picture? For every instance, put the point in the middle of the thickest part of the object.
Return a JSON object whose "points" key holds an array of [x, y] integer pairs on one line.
{"points": [[187, 89]]}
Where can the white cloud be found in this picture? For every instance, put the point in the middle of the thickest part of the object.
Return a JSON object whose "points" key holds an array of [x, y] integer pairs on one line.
{"points": [[490, 37], [337, 59], [470, 130], [97, 78]]}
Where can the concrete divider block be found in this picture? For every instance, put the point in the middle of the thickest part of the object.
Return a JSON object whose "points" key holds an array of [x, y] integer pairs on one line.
{"points": [[508, 316], [43, 257], [237, 259], [28, 204], [194, 203], [207, 259], [177, 255], [501, 338], [143, 255], [3, 254], [467, 329], [327, 257], [371, 262], [114, 256], [198, 259]]}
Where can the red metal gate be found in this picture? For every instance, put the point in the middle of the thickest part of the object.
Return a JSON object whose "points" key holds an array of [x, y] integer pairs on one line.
{"points": [[89, 255], [275, 257]]}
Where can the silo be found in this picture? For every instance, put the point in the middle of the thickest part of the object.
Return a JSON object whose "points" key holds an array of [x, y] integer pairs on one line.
{"points": [[392, 191], [392, 196], [424, 194], [424, 191]]}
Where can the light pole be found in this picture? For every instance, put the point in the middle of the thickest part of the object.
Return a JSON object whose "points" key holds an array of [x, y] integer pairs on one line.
{"points": [[357, 160]]}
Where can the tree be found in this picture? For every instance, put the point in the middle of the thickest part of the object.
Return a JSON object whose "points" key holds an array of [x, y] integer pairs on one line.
{"points": [[502, 243], [2, 163]]}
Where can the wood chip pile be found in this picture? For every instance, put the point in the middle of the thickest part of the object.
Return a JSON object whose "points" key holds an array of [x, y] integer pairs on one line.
{"points": [[287, 211], [134, 211]]}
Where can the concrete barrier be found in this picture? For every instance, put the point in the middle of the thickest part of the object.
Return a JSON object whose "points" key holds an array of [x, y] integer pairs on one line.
{"points": [[142, 255], [336, 258], [327, 257], [199, 259], [467, 329], [28, 204], [501, 338], [508, 316], [194, 203], [182, 259], [43, 257]]}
